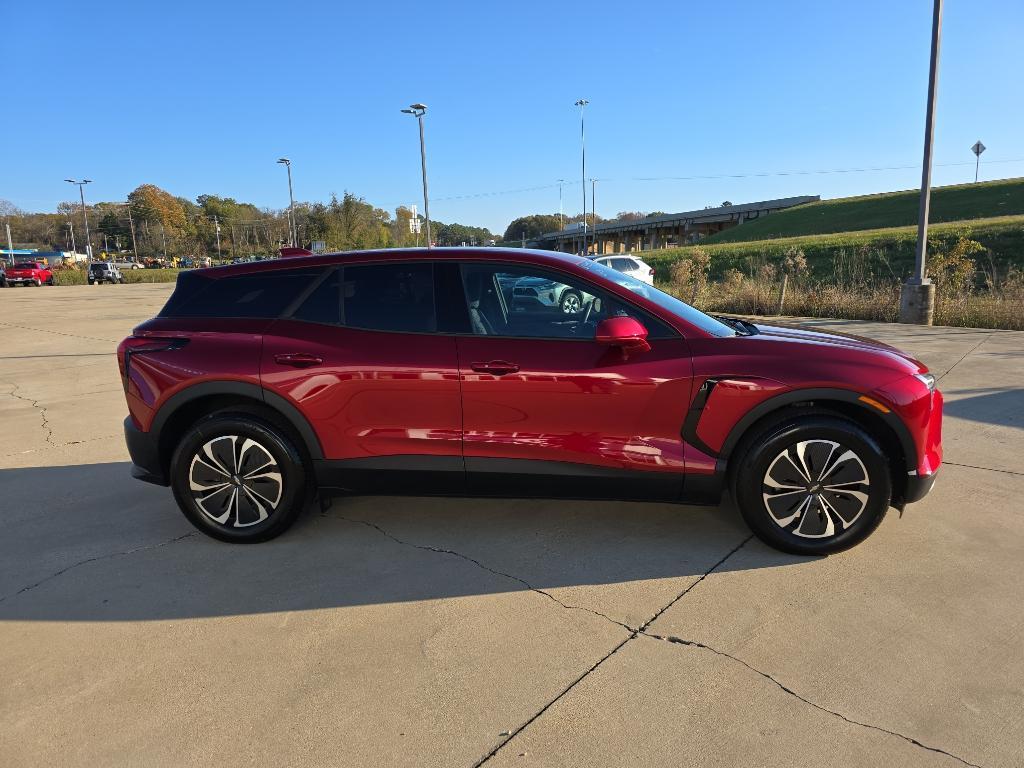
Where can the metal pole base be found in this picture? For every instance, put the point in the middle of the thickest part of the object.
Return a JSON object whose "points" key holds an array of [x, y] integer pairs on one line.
{"points": [[917, 302]]}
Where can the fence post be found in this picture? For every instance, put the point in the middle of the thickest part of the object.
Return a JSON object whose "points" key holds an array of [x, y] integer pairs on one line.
{"points": [[782, 292]]}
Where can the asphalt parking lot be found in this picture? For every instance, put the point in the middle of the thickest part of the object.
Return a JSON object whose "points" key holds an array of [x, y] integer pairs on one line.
{"points": [[455, 632]]}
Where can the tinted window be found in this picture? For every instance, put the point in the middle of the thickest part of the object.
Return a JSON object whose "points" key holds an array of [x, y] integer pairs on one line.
{"points": [[531, 303], [389, 297], [258, 295], [323, 305]]}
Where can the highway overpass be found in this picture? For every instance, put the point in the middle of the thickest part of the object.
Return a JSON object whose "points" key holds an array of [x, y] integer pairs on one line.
{"points": [[662, 231]]}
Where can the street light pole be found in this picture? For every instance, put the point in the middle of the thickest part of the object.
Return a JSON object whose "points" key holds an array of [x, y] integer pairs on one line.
{"points": [[917, 296], [293, 229], [88, 240], [418, 111], [582, 103]]}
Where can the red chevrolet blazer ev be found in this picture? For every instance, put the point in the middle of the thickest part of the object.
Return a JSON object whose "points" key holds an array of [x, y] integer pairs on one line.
{"points": [[512, 372]]}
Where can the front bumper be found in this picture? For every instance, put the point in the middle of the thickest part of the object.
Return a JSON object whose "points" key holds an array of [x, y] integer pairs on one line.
{"points": [[918, 486], [145, 454]]}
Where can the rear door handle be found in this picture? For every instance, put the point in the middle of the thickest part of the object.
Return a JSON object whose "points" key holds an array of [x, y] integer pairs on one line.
{"points": [[298, 359], [495, 367]]}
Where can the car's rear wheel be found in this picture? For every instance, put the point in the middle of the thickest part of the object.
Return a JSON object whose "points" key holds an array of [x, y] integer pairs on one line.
{"points": [[238, 478], [812, 485], [37, 282]]}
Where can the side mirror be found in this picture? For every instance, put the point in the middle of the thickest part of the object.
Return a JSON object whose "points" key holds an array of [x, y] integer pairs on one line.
{"points": [[623, 332]]}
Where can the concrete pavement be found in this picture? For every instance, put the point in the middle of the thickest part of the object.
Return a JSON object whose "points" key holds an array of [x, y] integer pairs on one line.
{"points": [[414, 631]]}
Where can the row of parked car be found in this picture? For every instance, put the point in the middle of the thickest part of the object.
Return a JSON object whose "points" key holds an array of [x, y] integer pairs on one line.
{"points": [[36, 274]]}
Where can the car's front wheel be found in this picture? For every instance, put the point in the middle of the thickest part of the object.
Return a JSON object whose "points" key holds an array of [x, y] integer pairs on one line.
{"points": [[238, 478], [813, 484], [571, 303]]}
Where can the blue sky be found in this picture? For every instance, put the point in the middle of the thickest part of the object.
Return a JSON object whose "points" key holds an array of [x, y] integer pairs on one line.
{"points": [[204, 97]]}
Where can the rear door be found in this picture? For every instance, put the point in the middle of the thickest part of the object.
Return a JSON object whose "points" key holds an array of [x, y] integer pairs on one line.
{"points": [[549, 412], [362, 357]]}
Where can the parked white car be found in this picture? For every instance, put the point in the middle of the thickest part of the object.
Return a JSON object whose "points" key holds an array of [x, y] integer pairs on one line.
{"points": [[629, 265]]}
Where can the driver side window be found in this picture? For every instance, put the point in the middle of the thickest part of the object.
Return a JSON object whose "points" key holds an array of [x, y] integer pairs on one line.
{"points": [[526, 302]]}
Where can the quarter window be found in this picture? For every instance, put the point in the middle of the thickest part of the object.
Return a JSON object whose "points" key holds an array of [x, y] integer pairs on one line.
{"points": [[264, 294]]}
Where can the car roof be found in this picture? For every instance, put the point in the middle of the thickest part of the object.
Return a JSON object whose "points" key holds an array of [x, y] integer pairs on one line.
{"points": [[518, 255]]}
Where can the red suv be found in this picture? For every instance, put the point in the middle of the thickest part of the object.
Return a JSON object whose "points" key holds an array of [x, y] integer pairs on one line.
{"points": [[512, 372]]}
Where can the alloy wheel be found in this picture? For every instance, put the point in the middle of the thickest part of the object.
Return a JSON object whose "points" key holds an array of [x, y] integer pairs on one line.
{"points": [[235, 481], [815, 488]]}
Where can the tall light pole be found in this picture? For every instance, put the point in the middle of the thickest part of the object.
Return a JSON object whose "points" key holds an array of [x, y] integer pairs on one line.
{"points": [[917, 296], [293, 229], [582, 104], [88, 240], [418, 111]]}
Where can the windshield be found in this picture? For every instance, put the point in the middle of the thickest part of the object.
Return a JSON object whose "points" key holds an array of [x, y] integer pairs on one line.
{"points": [[669, 303], [25, 265], [99, 267]]}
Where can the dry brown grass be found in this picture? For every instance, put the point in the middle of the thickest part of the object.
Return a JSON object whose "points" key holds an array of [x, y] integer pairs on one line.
{"points": [[990, 307]]}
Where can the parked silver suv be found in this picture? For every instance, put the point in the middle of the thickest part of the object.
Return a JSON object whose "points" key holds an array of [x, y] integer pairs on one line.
{"points": [[105, 272]]}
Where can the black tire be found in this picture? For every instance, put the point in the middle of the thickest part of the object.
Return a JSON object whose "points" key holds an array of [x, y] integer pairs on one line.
{"points": [[770, 463], [280, 500], [50, 282], [571, 302], [121, 280], [36, 282]]}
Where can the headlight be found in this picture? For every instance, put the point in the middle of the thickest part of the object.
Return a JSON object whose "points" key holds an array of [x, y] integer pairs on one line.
{"points": [[927, 379]]}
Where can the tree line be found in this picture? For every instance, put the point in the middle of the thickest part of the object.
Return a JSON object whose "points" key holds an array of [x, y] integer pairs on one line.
{"points": [[153, 222]]}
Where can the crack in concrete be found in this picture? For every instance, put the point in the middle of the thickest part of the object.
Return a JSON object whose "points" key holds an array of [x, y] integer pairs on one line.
{"points": [[88, 560], [477, 563], [42, 412], [695, 644], [635, 632], [60, 445], [58, 333], [965, 356], [987, 469]]}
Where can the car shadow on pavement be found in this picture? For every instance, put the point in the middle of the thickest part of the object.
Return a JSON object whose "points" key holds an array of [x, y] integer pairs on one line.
{"points": [[989, 405], [88, 543]]}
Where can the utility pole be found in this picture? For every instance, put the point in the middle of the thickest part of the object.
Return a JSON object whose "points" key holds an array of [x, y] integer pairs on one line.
{"points": [[561, 218], [131, 224], [10, 243], [917, 295], [593, 213], [582, 104], [216, 226], [88, 239], [163, 237]]}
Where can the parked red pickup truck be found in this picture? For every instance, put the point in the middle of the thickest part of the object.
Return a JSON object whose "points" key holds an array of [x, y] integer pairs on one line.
{"points": [[29, 273]]}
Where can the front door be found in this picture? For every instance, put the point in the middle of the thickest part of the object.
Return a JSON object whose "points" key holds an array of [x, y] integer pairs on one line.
{"points": [[362, 359], [549, 412]]}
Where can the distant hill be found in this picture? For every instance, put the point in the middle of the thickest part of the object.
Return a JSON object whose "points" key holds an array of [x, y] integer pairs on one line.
{"points": [[892, 209]]}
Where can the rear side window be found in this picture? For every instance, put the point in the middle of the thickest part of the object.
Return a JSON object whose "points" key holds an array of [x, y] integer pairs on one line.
{"points": [[389, 297], [257, 295], [323, 305]]}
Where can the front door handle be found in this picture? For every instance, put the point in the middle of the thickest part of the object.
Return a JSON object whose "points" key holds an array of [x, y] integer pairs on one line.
{"points": [[298, 359], [495, 367]]}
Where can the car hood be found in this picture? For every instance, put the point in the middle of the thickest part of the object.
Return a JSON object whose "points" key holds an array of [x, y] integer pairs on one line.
{"points": [[835, 339]]}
